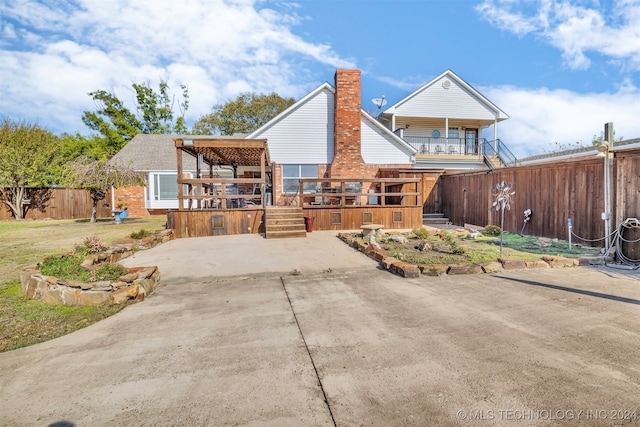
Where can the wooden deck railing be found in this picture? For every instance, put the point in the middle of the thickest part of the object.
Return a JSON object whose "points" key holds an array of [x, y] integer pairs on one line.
{"points": [[331, 192], [221, 193]]}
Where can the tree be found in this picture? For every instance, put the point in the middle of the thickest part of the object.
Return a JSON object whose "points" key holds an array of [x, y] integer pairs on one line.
{"points": [[247, 113], [28, 155], [98, 176], [154, 115]]}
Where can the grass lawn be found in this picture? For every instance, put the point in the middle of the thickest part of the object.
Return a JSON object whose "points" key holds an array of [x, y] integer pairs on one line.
{"points": [[24, 322]]}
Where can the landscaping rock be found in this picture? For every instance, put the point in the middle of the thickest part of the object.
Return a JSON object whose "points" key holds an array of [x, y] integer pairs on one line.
{"points": [[122, 295], [388, 261], [89, 260], [512, 264], [443, 247], [368, 229], [129, 277], [559, 262], [434, 269], [536, 263], [405, 269], [375, 252], [424, 245], [465, 269], [492, 267], [398, 238], [93, 298]]}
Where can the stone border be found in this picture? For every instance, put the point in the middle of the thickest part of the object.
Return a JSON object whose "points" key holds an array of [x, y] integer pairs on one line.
{"points": [[136, 285], [140, 282], [406, 269]]}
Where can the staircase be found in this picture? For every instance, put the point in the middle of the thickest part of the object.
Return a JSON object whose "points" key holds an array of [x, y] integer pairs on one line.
{"points": [[434, 219], [283, 222]]}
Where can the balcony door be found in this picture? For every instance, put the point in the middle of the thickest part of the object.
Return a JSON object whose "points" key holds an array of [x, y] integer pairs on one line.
{"points": [[471, 141]]}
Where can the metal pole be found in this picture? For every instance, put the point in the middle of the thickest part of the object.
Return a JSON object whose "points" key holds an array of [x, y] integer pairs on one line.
{"points": [[608, 182], [570, 227]]}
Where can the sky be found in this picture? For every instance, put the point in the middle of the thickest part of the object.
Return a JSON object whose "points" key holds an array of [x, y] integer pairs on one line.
{"points": [[559, 68]]}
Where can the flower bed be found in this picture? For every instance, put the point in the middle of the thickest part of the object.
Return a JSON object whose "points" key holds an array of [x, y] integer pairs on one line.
{"points": [[440, 254], [135, 284]]}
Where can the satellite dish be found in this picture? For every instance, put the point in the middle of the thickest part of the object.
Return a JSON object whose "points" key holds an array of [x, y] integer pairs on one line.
{"points": [[379, 102]]}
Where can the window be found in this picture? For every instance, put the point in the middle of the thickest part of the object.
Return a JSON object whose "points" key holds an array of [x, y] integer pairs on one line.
{"points": [[454, 133], [291, 175], [336, 218], [165, 186]]}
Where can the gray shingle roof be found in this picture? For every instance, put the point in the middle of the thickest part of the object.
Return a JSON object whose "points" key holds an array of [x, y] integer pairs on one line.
{"points": [[152, 153]]}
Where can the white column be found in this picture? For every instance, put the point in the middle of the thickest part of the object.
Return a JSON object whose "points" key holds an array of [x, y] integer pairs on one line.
{"points": [[495, 135]]}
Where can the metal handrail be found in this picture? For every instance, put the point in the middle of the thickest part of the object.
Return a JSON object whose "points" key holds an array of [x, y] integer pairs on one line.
{"points": [[499, 149], [443, 145]]}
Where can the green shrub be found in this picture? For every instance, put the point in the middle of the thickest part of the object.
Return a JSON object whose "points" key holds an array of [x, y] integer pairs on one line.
{"points": [[492, 230], [64, 267], [453, 243], [108, 271], [421, 233], [141, 234]]}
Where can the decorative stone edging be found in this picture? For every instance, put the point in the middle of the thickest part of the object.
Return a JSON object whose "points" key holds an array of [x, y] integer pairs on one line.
{"points": [[406, 269], [137, 284], [140, 282]]}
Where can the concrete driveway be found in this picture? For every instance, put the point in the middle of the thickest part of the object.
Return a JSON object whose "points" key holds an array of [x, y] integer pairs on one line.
{"points": [[320, 336]]}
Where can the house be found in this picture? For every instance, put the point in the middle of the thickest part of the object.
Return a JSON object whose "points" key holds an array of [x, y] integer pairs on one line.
{"points": [[326, 143], [443, 120]]}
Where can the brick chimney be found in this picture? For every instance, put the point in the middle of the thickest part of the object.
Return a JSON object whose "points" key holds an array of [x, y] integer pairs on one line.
{"points": [[347, 155]]}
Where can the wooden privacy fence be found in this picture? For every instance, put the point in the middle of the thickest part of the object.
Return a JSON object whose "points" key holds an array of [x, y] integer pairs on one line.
{"points": [[554, 191], [63, 203]]}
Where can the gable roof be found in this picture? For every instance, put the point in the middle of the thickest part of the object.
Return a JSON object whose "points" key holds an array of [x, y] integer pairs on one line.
{"points": [[151, 153], [365, 116], [500, 115], [295, 106], [395, 139]]}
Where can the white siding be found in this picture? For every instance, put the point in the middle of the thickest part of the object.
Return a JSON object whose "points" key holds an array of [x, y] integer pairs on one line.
{"points": [[378, 148], [455, 102], [305, 135]]}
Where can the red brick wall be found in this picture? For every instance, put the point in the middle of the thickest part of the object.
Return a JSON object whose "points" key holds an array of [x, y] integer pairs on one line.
{"points": [[347, 158], [133, 199]]}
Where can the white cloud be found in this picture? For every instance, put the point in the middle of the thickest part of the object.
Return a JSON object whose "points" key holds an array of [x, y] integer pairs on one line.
{"points": [[542, 117], [609, 29], [54, 53]]}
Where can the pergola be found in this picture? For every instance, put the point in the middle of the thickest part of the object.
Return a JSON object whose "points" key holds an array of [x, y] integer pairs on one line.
{"points": [[207, 190]]}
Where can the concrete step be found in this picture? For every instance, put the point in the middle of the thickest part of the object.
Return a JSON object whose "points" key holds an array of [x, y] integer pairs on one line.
{"points": [[285, 234], [434, 218]]}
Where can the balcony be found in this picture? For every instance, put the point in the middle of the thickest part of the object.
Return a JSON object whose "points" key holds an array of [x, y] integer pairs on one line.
{"points": [[446, 146]]}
